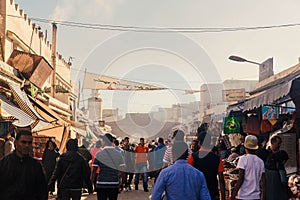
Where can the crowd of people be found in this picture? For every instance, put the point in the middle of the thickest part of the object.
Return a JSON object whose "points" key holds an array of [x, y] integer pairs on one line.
{"points": [[110, 166]]}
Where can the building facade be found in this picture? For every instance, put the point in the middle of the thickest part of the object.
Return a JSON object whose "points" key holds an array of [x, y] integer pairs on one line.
{"points": [[41, 73]]}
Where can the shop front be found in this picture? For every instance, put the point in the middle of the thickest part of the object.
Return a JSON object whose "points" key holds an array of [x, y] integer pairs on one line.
{"points": [[272, 109]]}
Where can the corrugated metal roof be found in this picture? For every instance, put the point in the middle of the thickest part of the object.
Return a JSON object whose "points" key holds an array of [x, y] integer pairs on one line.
{"points": [[23, 102], [269, 96], [23, 118], [279, 78]]}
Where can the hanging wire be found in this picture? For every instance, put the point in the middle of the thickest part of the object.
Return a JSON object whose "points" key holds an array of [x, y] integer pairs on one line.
{"points": [[111, 27]]}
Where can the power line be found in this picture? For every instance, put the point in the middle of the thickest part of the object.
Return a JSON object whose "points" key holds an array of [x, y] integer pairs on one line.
{"points": [[111, 27]]}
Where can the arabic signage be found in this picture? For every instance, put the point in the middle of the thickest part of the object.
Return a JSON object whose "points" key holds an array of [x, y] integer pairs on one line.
{"points": [[100, 82], [234, 95]]}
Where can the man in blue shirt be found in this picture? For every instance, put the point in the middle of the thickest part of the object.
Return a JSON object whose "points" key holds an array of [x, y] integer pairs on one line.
{"points": [[180, 180], [159, 153]]}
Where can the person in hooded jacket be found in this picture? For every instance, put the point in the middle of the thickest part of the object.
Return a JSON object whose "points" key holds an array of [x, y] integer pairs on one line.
{"points": [[71, 172]]}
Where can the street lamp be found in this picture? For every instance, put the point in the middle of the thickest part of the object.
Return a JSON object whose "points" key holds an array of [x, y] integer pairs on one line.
{"points": [[265, 68], [240, 59]]}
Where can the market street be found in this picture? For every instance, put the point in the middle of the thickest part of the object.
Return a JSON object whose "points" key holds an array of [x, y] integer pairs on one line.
{"points": [[130, 195], [125, 195]]}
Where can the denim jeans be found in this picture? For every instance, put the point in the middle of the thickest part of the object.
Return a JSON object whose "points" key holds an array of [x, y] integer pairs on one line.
{"points": [[141, 168]]}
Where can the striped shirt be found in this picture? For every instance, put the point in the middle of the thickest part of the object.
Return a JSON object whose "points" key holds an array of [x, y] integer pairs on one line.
{"points": [[110, 162], [168, 157]]}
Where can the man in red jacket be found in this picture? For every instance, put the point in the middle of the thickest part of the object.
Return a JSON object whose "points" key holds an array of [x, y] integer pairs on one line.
{"points": [[141, 164]]}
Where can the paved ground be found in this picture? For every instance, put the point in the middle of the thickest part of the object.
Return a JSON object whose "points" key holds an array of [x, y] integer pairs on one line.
{"points": [[130, 195]]}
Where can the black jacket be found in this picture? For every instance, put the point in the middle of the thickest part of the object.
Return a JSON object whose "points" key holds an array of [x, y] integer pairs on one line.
{"points": [[49, 162], [208, 163], [71, 171], [22, 179]]}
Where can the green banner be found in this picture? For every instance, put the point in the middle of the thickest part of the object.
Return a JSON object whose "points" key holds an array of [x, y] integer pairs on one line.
{"points": [[232, 125]]}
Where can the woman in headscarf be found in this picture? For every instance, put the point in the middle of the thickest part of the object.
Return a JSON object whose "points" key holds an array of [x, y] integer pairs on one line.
{"points": [[49, 161]]}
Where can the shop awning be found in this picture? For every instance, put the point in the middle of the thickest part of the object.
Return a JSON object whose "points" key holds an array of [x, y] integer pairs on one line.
{"points": [[24, 103], [236, 107], [51, 130], [56, 128], [9, 109], [268, 96], [273, 89], [278, 88], [39, 125], [45, 111]]}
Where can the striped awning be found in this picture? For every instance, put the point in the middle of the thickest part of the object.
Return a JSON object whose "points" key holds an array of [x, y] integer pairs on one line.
{"points": [[23, 102], [9, 109]]}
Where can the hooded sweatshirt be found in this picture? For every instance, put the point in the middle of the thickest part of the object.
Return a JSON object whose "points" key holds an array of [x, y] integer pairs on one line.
{"points": [[70, 171]]}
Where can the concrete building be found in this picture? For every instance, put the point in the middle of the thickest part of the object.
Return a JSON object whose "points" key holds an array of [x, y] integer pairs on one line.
{"points": [[216, 97], [18, 32], [95, 109], [44, 73], [110, 115]]}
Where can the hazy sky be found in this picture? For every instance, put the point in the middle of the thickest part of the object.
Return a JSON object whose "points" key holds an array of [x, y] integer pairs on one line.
{"points": [[175, 60]]}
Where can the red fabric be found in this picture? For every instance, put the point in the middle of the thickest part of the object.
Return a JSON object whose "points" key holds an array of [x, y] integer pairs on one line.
{"points": [[141, 154], [252, 125], [265, 126], [93, 152]]}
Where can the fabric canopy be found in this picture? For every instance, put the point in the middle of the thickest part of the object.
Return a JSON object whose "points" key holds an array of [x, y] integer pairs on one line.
{"points": [[101, 82]]}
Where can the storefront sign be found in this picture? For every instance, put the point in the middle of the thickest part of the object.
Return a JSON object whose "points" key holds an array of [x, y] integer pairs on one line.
{"points": [[234, 95], [269, 112]]}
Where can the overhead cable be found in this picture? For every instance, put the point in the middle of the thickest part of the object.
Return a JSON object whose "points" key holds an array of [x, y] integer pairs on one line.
{"points": [[111, 27]]}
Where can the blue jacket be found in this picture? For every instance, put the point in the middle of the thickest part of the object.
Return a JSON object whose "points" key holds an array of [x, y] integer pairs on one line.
{"points": [[159, 153], [181, 181]]}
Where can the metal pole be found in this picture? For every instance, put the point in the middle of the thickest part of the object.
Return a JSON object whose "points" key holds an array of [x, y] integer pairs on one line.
{"points": [[53, 56], [248, 61]]}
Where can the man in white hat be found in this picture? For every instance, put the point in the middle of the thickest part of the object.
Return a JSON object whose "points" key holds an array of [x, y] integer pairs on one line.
{"points": [[251, 172]]}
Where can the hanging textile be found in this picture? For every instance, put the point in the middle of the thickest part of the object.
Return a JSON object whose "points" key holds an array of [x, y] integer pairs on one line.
{"points": [[252, 125], [232, 125]]}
